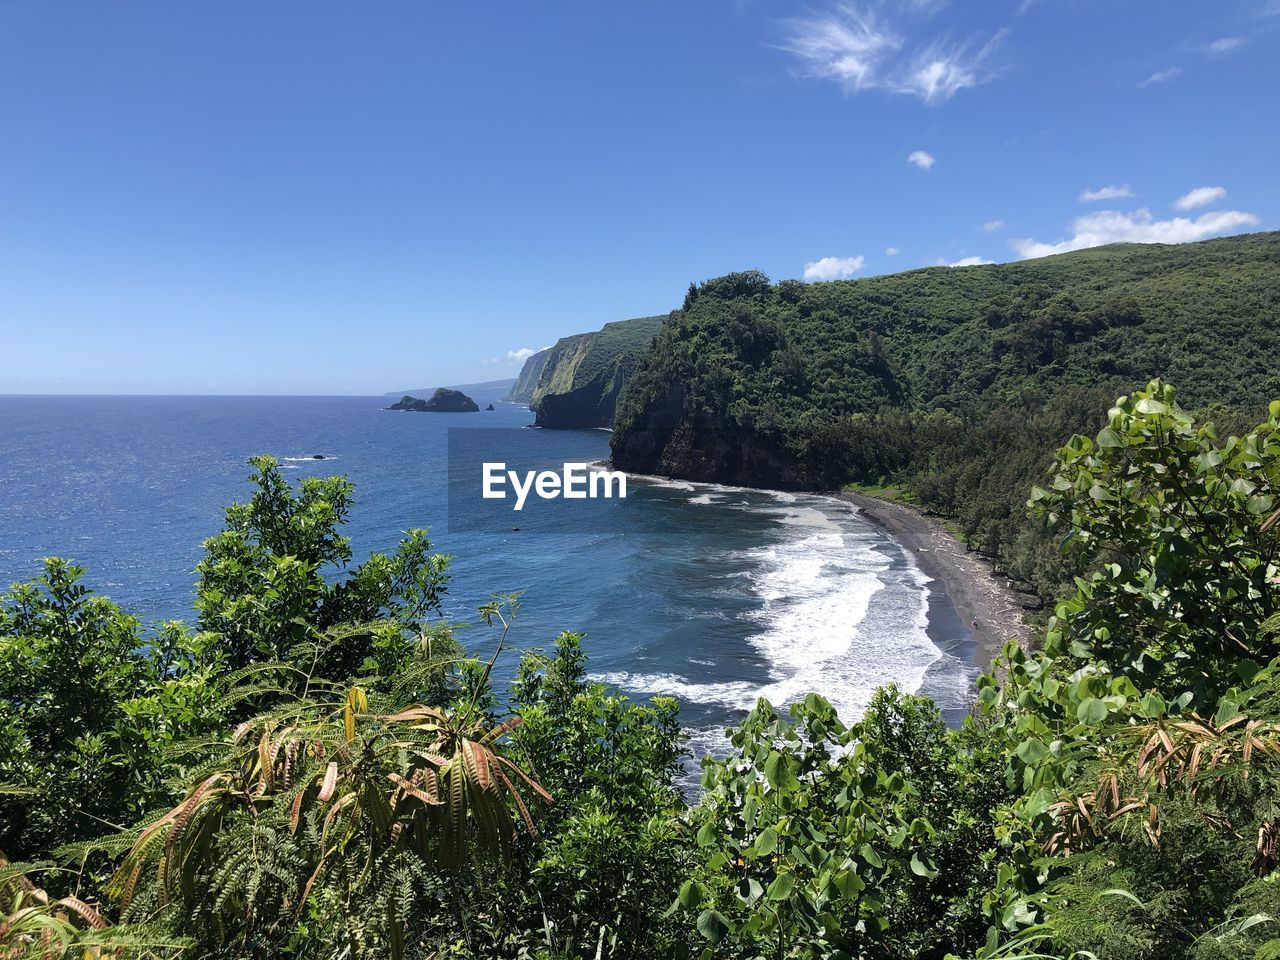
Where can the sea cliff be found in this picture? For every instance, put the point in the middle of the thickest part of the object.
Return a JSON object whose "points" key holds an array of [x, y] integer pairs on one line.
{"points": [[580, 379]]}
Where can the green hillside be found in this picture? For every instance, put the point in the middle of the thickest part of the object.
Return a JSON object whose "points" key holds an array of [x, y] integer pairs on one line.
{"points": [[530, 374], [953, 384], [583, 375]]}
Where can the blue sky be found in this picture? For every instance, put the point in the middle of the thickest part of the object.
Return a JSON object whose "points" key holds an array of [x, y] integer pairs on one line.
{"points": [[337, 198]]}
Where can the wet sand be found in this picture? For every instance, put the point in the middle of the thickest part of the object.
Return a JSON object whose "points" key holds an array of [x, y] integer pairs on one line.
{"points": [[988, 608]]}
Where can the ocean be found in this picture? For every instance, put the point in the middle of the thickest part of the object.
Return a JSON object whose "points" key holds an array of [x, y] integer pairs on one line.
{"points": [[717, 595]]}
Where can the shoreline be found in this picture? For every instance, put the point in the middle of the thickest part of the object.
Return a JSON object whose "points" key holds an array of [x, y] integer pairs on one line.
{"points": [[987, 607], [964, 587]]}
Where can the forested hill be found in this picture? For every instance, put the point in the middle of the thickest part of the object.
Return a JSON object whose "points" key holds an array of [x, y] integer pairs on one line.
{"points": [[957, 383]]}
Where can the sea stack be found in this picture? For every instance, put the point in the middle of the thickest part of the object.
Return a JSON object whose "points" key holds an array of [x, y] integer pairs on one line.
{"points": [[443, 400]]}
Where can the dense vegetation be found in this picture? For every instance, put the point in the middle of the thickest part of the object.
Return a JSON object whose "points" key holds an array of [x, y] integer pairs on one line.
{"points": [[582, 376], [318, 771], [953, 385]]}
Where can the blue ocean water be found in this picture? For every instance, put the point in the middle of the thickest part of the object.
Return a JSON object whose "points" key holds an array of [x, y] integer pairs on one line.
{"points": [[717, 595]]}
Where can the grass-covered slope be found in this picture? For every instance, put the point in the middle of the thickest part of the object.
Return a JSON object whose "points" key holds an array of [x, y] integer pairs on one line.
{"points": [[954, 383], [584, 374]]}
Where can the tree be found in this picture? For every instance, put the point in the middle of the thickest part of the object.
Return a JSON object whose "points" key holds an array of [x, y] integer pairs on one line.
{"points": [[270, 580], [92, 705]]}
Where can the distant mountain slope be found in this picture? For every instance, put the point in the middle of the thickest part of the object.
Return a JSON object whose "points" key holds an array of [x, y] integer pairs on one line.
{"points": [[530, 374], [488, 386], [583, 375], [954, 382]]}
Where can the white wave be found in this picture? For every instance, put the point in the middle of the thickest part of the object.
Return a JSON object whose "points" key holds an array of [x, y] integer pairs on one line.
{"points": [[323, 459], [669, 484], [813, 627], [704, 499]]}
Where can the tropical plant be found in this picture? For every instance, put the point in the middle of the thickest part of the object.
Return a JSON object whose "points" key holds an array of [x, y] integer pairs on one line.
{"points": [[35, 925], [271, 580], [328, 813], [91, 704], [819, 839]]}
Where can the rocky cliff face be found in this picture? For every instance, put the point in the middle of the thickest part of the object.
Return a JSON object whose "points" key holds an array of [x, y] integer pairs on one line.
{"points": [[530, 374], [662, 437], [583, 375]]}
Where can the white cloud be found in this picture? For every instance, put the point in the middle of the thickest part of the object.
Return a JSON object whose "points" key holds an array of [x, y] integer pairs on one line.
{"points": [[891, 251], [1224, 45], [921, 159], [937, 73], [1115, 226], [1199, 197], [968, 262], [518, 355], [859, 50], [926, 8], [1161, 76], [1111, 192], [832, 268], [848, 46], [991, 226]]}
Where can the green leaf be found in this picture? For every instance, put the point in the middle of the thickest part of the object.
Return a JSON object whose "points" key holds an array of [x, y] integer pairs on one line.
{"points": [[1032, 751], [1091, 711], [775, 770], [713, 925], [1108, 438], [849, 884], [1153, 705], [1118, 892], [690, 894], [707, 834], [869, 856], [920, 869], [767, 842], [781, 887]]}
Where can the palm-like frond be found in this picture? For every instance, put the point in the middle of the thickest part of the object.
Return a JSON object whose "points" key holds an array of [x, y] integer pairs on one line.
{"points": [[350, 784], [33, 924], [1193, 753]]}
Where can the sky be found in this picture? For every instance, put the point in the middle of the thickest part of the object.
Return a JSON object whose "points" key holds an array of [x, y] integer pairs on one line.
{"points": [[335, 198]]}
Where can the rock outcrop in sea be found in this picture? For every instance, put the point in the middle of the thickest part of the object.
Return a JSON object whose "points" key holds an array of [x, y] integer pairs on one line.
{"points": [[443, 400]]}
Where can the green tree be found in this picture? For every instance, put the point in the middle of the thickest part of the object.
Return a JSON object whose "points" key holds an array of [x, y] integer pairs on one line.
{"points": [[273, 579], [91, 705]]}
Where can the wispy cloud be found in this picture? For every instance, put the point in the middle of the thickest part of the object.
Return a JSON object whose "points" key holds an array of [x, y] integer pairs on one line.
{"points": [[1224, 45], [832, 268], [967, 262], [919, 158], [1199, 197], [891, 251], [518, 355], [1161, 76], [1111, 192], [991, 226], [858, 48], [1115, 226], [926, 8]]}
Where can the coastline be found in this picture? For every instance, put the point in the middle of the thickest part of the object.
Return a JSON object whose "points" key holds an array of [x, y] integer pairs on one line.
{"points": [[987, 607], [972, 612]]}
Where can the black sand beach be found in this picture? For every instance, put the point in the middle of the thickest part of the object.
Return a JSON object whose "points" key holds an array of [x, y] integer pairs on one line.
{"points": [[989, 610]]}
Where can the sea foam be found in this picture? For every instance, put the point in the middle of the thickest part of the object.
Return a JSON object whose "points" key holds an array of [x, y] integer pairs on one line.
{"points": [[840, 610]]}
